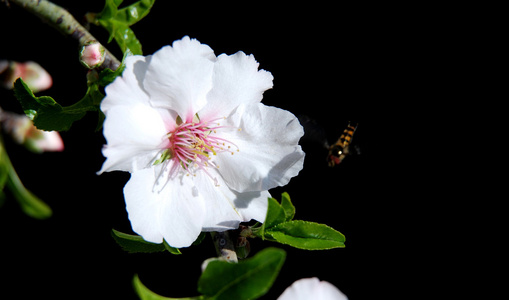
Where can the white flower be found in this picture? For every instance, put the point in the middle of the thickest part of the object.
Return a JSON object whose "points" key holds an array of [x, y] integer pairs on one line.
{"points": [[312, 288], [201, 148]]}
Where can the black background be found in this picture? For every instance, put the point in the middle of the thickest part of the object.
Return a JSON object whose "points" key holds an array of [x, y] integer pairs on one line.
{"points": [[332, 63]]}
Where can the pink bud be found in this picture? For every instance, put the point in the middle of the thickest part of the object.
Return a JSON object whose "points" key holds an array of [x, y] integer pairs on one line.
{"points": [[46, 141], [23, 131], [92, 55], [31, 72]]}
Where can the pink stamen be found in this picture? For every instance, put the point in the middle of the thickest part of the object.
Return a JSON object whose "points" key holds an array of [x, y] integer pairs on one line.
{"points": [[192, 145]]}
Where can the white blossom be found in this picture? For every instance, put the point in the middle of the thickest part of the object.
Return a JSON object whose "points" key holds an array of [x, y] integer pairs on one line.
{"points": [[201, 148]]}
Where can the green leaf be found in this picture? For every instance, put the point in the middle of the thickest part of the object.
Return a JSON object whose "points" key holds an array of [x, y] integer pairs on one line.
{"points": [[279, 227], [117, 22], [171, 249], [48, 115], [200, 238], [145, 294], [306, 235], [136, 244], [275, 215], [29, 203], [247, 279], [107, 76], [5, 163], [287, 205]]}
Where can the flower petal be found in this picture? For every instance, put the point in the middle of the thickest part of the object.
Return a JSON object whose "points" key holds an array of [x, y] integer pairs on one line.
{"points": [[127, 89], [221, 212], [143, 206], [268, 148], [226, 208], [179, 77], [312, 288], [236, 80], [252, 205], [170, 211], [134, 136]]}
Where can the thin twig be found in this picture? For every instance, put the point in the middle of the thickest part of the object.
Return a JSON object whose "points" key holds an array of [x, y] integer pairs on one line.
{"points": [[64, 22]]}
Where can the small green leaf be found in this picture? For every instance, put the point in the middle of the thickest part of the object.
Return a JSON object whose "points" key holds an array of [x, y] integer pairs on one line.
{"points": [[48, 115], [118, 21], [200, 238], [307, 235], [171, 249], [287, 205], [107, 76], [145, 294], [5, 164], [29, 203], [247, 279], [136, 244], [127, 40], [275, 215], [280, 227]]}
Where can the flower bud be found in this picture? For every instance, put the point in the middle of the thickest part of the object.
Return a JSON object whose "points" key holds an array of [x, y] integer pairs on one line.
{"points": [[92, 55], [31, 72], [23, 132]]}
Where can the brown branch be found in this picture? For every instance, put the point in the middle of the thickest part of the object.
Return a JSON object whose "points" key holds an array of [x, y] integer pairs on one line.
{"points": [[64, 22]]}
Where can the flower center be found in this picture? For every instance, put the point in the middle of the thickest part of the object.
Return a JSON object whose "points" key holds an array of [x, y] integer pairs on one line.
{"points": [[193, 144]]}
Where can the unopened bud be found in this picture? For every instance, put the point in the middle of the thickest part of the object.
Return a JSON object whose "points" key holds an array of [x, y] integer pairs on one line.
{"points": [[23, 131], [92, 55], [31, 72]]}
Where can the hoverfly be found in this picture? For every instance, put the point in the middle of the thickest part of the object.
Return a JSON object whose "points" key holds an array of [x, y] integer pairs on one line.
{"points": [[341, 148], [313, 132]]}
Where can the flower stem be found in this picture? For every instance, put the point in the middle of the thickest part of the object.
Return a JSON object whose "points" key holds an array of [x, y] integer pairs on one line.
{"points": [[224, 246], [64, 22]]}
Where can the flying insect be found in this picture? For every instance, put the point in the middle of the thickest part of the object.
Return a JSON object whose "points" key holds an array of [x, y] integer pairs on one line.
{"points": [[338, 151]]}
